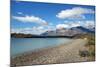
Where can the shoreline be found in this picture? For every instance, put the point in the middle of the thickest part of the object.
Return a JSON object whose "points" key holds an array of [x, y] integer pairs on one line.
{"points": [[35, 51], [64, 53], [43, 48]]}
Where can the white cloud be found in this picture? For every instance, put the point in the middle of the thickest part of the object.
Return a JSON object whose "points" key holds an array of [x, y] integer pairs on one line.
{"points": [[60, 26], [68, 24], [34, 30], [89, 24], [86, 23], [75, 25], [32, 19], [76, 12], [41, 29]]}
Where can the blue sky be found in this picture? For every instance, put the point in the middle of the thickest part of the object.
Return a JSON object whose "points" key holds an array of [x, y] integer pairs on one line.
{"points": [[36, 17]]}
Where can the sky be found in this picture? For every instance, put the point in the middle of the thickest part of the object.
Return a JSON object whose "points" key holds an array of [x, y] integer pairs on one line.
{"points": [[36, 17]]}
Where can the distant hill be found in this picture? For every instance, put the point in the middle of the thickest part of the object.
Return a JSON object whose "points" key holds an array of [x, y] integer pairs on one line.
{"points": [[81, 29], [21, 35], [69, 32]]}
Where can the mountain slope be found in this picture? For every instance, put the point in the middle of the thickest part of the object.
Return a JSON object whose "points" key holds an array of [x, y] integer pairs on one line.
{"points": [[68, 32], [83, 29]]}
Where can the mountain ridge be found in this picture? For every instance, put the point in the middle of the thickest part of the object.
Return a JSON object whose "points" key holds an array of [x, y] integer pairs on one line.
{"points": [[69, 33]]}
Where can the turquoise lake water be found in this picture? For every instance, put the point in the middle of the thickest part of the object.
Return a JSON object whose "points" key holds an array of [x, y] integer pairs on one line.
{"points": [[21, 45]]}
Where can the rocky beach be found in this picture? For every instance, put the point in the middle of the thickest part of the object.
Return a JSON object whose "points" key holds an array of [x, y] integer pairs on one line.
{"points": [[64, 53]]}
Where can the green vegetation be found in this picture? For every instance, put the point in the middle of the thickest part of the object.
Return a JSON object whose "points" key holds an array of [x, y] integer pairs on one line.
{"points": [[91, 40], [90, 53], [20, 35], [84, 53], [91, 46]]}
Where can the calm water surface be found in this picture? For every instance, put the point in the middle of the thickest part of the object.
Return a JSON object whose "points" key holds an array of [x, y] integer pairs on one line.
{"points": [[21, 45]]}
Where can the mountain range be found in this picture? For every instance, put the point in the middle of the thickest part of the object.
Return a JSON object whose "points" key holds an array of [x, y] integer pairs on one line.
{"points": [[63, 32], [69, 32]]}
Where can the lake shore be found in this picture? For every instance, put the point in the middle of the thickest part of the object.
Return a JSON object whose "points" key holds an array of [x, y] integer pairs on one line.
{"points": [[65, 53]]}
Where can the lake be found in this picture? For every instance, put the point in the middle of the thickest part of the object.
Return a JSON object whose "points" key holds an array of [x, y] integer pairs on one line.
{"points": [[21, 45]]}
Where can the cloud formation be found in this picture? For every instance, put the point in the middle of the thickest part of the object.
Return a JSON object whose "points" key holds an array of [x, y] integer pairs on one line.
{"points": [[28, 30], [41, 29], [70, 24], [32, 19], [89, 24], [33, 30], [74, 13], [60, 26], [73, 23]]}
